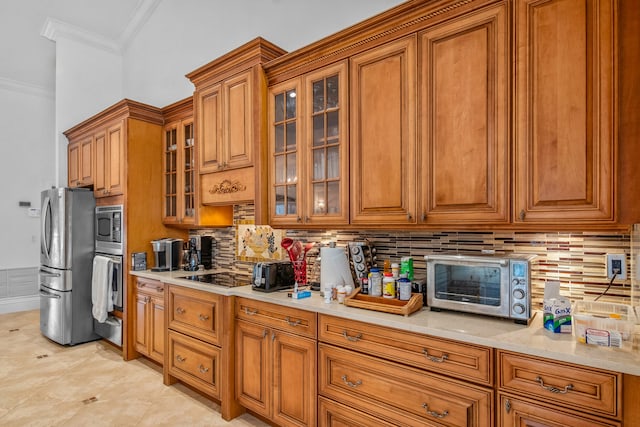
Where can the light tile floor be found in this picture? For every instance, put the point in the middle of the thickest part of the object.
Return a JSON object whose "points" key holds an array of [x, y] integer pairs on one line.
{"points": [[46, 384]]}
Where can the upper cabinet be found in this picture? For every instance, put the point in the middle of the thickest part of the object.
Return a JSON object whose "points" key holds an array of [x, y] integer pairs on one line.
{"points": [[565, 94], [308, 146], [383, 134], [80, 162], [100, 147], [464, 119], [180, 184], [230, 127], [470, 114]]}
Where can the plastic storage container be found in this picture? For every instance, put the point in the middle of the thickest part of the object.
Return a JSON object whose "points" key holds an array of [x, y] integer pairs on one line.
{"points": [[604, 324]]}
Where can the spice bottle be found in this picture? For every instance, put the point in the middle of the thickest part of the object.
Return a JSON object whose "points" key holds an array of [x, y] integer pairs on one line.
{"points": [[388, 286], [375, 282]]}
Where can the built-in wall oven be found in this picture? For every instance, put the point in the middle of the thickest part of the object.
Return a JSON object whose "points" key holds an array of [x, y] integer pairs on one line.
{"points": [[109, 243]]}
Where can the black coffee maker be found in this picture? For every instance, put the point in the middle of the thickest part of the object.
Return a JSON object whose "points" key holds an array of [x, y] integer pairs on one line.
{"points": [[192, 261]]}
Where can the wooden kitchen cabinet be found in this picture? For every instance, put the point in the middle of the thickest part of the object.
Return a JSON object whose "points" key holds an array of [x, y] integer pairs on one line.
{"points": [[464, 118], [80, 162], [149, 319], [383, 134], [276, 362], [565, 126], [181, 184], [230, 130], [110, 167], [200, 350], [308, 146]]}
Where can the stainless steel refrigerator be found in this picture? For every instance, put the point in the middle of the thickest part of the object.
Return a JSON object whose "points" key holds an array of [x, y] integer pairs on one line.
{"points": [[66, 265]]}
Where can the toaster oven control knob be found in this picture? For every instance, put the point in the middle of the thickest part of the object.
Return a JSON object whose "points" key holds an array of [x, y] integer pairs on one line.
{"points": [[518, 293], [515, 282], [519, 308]]}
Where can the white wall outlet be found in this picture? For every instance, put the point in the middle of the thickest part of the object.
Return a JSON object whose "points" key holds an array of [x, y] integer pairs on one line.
{"points": [[617, 263]]}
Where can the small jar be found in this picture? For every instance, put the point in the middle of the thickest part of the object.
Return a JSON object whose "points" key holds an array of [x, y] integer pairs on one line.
{"points": [[388, 286], [404, 289], [375, 282], [395, 270], [342, 293]]}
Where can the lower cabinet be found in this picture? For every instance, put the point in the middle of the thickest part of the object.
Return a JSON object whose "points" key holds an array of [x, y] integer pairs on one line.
{"points": [[542, 392], [200, 345], [514, 411], [276, 362], [398, 394], [149, 319]]}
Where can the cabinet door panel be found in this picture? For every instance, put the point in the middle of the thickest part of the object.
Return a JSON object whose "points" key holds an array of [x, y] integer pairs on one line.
{"points": [[156, 335], [86, 161], [383, 82], [99, 183], [565, 53], [140, 331], [465, 119], [238, 132], [115, 159], [209, 131], [521, 413], [74, 158], [253, 379], [295, 379]]}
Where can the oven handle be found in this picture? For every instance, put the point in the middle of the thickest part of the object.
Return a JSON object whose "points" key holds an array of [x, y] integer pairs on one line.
{"points": [[465, 258]]}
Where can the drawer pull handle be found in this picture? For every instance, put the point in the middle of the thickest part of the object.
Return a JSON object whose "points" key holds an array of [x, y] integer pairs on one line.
{"points": [[290, 323], [434, 413], [180, 310], [180, 358], [351, 384], [553, 389], [203, 317], [159, 288], [350, 338], [202, 369], [250, 312], [433, 358]]}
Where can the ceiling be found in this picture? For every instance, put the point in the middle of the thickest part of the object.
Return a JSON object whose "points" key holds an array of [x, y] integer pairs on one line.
{"points": [[28, 58]]}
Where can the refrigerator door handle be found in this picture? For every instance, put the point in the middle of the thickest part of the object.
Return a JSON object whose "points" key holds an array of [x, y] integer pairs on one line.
{"points": [[48, 274], [48, 294], [46, 211]]}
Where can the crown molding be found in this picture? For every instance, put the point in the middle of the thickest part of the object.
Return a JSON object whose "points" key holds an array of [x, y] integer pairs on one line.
{"points": [[140, 17], [54, 30], [25, 88]]}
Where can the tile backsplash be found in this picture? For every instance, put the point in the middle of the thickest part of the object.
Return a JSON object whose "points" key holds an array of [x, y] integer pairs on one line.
{"points": [[575, 259]]}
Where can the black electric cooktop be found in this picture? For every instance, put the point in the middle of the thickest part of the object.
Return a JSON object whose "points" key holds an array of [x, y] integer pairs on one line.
{"points": [[220, 279]]}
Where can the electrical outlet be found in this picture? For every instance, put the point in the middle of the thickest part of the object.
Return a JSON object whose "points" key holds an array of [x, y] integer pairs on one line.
{"points": [[617, 263]]}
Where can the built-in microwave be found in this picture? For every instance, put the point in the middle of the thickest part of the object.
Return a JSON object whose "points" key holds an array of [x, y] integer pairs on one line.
{"points": [[109, 229], [492, 285]]}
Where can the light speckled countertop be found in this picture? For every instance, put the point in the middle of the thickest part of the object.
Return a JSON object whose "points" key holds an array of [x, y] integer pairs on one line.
{"points": [[482, 330]]}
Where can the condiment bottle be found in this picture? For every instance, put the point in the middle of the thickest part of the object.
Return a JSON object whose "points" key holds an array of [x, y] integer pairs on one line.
{"points": [[404, 288]]}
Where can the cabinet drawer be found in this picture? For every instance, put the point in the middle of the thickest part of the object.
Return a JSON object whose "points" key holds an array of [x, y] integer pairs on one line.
{"points": [[581, 388], [149, 287], [463, 361], [399, 394], [513, 411], [196, 313], [334, 414], [299, 322], [195, 362]]}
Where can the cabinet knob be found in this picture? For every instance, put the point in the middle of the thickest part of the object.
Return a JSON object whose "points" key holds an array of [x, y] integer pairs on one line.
{"points": [[203, 317], [180, 310], [203, 369], [298, 219], [180, 358], [522, 215], [423, 217], [408, 217]]}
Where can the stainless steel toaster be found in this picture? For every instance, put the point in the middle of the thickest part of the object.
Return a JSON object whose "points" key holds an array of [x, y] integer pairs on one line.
{"points": [[272, 276]]}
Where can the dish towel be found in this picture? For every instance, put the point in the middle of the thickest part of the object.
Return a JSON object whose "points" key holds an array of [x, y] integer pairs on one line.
{"points": [[101, 292]]}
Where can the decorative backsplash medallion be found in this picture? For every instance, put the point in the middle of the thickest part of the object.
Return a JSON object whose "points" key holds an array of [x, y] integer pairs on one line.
{"points": [[258, 242]]}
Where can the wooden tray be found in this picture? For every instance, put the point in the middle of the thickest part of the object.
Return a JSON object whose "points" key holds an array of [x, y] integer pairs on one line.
{"points": [[386, 305]]}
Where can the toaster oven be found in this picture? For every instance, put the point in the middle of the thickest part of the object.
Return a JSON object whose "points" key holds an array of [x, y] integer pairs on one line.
{"points": [[272, 276], [492, 285]]}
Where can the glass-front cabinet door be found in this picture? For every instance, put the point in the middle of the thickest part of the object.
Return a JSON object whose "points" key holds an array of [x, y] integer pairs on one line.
{"points": [[284, 146], [188, 173], [308, 117], [326, 143], [170, 171]]}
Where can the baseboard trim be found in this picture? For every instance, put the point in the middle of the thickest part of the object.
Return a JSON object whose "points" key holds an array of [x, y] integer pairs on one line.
{"points": [[13, 304]]}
